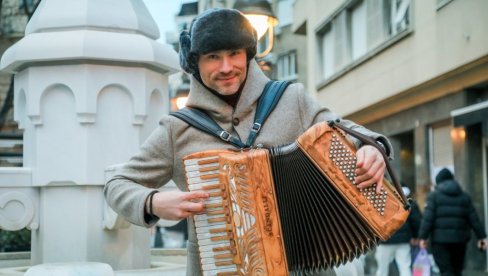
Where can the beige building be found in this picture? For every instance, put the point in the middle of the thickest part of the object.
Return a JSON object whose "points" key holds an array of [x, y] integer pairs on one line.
{"points": [[416, 71]]}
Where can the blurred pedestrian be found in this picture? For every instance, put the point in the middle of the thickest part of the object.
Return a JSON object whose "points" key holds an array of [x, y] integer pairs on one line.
{"points": [[449, 215], [399, 246]]}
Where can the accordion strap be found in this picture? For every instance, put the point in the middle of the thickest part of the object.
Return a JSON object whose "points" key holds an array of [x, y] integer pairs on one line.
{"points": [[267, 102], [370, 141]]}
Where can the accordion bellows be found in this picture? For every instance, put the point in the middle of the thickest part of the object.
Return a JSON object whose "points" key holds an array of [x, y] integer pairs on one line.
{"points": [[292, 208]]}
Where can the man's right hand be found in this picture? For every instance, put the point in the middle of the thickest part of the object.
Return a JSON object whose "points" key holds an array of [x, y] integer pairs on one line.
{"points": [[177, 205], [423, 244], [482, 244]]}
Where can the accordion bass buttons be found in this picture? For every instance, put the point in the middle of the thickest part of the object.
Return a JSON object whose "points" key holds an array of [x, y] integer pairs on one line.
{"points": [[345, 161]]}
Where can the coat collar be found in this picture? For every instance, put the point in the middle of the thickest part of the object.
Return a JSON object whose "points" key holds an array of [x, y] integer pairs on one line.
{"points": [[200, 97]]}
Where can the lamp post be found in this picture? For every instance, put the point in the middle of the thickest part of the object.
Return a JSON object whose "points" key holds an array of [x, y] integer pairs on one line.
{"points": [[261, 16]]}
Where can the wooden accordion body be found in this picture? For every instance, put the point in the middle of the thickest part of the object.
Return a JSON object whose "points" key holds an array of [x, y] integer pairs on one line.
{"points": [[290, 208]]}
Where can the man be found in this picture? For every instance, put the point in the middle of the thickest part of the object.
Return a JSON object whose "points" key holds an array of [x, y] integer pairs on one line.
{"points": [[398, 247], [449, 215], [226, 82]]}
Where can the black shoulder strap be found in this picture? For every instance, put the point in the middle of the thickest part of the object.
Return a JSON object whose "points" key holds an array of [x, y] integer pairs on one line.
{"points": [[267, 102], [200, 120]]}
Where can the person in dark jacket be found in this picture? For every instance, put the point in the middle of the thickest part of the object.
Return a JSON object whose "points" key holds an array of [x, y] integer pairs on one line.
{"points": [[398, 247], [449, 215]]}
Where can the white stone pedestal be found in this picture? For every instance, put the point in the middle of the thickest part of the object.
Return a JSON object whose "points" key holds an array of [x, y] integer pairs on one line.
{"points": [[90, 86]]}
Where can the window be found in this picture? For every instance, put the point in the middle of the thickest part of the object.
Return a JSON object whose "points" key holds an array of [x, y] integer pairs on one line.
{"points": [[358, 28], [399, 15], [377, 21], [327, 53], [287, 66]]}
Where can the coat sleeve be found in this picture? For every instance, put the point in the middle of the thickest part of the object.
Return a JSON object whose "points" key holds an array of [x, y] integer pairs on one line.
{"points": [[151, 168], [428, 219], [311, 113], [415, 219], [475, 222]]}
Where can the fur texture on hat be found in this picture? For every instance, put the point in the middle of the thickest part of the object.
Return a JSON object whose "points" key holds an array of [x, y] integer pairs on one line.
{"points": [[444, 174], [213, 30]]}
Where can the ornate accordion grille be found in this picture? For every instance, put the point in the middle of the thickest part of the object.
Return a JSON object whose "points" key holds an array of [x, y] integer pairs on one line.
{"points": [[244, 219]]}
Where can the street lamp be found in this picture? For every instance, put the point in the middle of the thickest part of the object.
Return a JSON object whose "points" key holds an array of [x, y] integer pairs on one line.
{"points": [[262, 19], [180, 95]]}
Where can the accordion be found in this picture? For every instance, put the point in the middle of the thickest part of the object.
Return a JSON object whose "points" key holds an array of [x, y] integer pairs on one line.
{"points": [[289, 209]]}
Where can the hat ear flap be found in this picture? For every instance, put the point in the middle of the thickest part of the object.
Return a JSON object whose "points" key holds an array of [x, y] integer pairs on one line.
{"points": [[185, 57], [253, 50]]}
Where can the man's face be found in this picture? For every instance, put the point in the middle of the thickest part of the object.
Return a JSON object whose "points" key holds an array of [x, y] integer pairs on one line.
{"points": [[223, 71]]}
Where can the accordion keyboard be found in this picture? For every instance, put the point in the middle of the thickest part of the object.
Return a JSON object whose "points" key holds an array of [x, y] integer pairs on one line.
{"points": [[214, 231]]}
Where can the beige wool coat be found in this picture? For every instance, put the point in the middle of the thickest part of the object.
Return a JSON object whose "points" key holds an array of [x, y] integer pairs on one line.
{"points": [[160, 157]]}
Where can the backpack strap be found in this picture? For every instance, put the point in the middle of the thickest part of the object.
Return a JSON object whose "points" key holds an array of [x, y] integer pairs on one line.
{"points": [[267, 102]]}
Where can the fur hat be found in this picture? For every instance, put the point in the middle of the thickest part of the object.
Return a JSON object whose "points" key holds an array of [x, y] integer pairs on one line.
{"points": [[213, 30], [443, 175]]}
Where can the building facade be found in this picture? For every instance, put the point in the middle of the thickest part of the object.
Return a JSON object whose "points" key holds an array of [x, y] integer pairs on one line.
{"points": [[14, 15], [416, 71]]}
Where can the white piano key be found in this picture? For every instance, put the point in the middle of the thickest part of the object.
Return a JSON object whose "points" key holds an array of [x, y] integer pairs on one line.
{"points": [[205, 217], [210, 235], [196, 160], [217, 244], [202, 220], [199, 186], [198, 180], [207, 267], [221, 269], [206, 229], [208, 254], [214, 200], [196, 167], [191, 174], [212, 260], [211, 254], [204, 242]]}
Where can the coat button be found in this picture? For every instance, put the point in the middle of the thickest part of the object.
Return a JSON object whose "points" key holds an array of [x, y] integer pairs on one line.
{"points": [[235, 121]]}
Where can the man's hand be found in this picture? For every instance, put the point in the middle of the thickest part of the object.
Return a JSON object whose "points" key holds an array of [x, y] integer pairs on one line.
{"points": [[177, 205], [370, 167], [414, 242], [423, 244], [482, 244]]}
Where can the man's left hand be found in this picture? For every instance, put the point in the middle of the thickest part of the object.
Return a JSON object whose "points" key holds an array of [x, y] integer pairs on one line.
{"points": [[370, 168]]}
